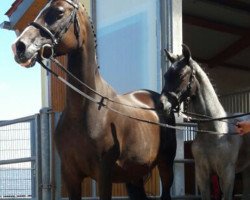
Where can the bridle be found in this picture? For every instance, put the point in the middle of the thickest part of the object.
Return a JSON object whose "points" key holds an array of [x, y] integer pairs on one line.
{"points": [[57, 36], [184, 96]]}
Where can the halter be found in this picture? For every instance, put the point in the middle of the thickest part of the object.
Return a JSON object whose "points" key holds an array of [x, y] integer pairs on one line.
{"points": [[182, 97], [57, 36]]}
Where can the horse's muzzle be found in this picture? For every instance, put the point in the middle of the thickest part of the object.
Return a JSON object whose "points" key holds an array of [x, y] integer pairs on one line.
{"points": [[164, 105], [21, 56]]}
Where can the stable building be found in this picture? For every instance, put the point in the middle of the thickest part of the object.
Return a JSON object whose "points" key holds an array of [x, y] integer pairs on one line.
{"points": [[131, 38]]}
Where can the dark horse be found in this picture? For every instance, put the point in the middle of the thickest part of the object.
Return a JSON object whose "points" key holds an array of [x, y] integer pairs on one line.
{"points": [[93, 141], [221, 153]]}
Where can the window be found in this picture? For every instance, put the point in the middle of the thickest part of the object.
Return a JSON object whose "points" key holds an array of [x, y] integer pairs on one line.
{"points": [[127, 43]]}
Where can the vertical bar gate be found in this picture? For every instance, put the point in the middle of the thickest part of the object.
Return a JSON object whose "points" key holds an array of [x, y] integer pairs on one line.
{"points": [[25, 157], [18, 158]]}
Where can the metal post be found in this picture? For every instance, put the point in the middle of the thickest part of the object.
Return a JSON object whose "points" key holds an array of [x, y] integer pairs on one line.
{"points": [[171, 39], [94, 188], [45, 152], [33, 153], [57, 166], [38, 159]]}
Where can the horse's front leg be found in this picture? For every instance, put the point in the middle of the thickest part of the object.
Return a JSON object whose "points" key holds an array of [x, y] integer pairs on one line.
{"points": [[203, 181], [227, 177], [246, 183], [105, 181], [136, 190], [73, 183], [167, 176], [107, 164]]}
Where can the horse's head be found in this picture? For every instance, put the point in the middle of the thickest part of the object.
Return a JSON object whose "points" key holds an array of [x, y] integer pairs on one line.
{"points": [[180, 80], [54, 32]]}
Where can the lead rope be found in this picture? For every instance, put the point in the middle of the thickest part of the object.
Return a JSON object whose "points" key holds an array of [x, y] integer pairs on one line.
{"points": [[102, 104], [208, 118]]}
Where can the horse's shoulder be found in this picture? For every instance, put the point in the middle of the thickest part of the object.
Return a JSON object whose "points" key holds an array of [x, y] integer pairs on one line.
{"points": [[146, 97]]}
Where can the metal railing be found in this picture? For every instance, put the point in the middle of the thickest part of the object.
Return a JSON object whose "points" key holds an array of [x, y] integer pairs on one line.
{"points": [[236, 102], [18, 158]]}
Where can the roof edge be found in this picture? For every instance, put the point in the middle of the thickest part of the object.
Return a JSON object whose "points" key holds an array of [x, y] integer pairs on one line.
{"points": [[6, 25], [17, 10], [13, 7]]}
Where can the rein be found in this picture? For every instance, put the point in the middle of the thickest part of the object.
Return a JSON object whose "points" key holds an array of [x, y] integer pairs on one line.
{"points": [[102, 104], [210, 119], [204, 118], [58, 64], [56, 37]]}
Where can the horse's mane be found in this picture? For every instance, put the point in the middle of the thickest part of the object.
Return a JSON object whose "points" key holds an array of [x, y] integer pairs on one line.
{"points": [[93, 30], [204, 68], [91, 23]]}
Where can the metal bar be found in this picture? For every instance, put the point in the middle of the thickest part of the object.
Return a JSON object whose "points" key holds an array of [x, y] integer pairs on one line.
{"points": [[33, 153], [237, 102], [186, 161], [186, 124], [51, 153], [18, 160], [38, 159], [57, 166], [190, 197], [45, 153], [17, 198], [93, 188], [15, 121]]}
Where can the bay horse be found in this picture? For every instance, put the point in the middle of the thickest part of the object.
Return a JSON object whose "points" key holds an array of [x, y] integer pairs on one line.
{"points": [[223, 153], [94, 141]]}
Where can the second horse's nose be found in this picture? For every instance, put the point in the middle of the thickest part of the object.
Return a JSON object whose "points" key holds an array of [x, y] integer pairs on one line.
{"points": [[164, 104]]}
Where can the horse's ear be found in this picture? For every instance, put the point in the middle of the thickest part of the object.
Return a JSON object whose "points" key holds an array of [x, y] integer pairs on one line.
{"points": [[186, 52], [173, 58]]}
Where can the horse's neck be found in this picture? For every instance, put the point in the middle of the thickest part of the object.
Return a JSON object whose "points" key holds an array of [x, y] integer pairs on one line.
{"points": [[82, 63], [86, 71], [207, 102]]}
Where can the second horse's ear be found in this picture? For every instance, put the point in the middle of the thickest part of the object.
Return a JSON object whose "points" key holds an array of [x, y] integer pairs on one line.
{"points": [[186, 52], [173, 58]]}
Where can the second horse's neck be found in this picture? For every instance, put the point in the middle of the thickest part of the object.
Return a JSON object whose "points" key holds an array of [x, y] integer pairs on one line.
{"points": [[207, 102]]}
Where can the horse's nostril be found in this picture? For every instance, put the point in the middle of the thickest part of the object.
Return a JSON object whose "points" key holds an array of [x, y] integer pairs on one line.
{"points": [[20, 47], [160, 106]]}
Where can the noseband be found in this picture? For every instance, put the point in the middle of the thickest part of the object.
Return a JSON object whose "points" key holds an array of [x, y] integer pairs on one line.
{"points": [[182, 97], [57, 36]]}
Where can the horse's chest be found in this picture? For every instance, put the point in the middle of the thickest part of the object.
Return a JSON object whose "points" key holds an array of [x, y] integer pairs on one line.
{"points": [[213, 150]]}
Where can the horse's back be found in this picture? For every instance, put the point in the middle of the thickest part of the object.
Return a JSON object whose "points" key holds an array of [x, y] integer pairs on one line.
{"points": [[149, 139], [147, 98]]}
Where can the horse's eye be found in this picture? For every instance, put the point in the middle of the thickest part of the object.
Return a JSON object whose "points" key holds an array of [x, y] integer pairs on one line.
{"points": [[60, 12], [54, 14]]}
